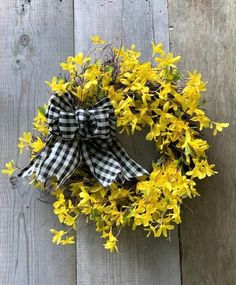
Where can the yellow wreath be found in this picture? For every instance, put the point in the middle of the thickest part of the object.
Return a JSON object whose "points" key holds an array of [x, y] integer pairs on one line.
{"points": [[151, 95]]}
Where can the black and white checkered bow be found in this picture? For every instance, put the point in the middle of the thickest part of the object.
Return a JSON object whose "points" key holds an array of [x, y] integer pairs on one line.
{"points": [[78, 135]]}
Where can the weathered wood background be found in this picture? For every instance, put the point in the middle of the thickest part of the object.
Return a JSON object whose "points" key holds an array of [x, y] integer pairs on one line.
{"points": [[35, 35], [204, 33]]}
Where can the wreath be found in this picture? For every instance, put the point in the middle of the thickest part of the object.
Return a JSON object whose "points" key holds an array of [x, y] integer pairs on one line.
{"points": [[76, 156]]}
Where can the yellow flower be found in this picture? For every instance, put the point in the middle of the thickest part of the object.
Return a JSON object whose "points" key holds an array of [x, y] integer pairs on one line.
{"points": [[10, 169], [27, 137], [61, 213], [144, 219], [139, 86], [77, 187], [85, 198], [154, 132], [40, 122], [201, 118], [176, 215], [190, 144], [166, 89], [80, 59], [53, 82], [219, 127], [114, 95], [201, 169], [69, 65], [163, 230], [96, 40], [38, 145], [111, 244], [157, 48], [168, 60], [89, 84], [93, 72], [70, 221], [60, 208], [60, 201], [57, 235], [79, 93], [199, 146], [59, 87], [145, 71], [195, 81], [25, 141], [177, 127], [68, 240], [38, 184]]}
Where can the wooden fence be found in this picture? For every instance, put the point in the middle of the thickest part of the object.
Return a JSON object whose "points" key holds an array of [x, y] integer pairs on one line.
{"points": [[35, 36]]}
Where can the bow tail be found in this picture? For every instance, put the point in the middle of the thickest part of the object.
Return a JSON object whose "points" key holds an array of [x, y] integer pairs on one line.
{"points": [[58, 159], [130, 168], [101, 163], [110, 162]]}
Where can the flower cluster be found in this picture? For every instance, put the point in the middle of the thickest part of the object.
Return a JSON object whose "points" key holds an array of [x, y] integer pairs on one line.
{"points": [[150, 95]]}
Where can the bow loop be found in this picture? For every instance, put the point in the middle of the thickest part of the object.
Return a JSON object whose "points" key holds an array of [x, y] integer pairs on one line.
{"points": [[68, 125]]}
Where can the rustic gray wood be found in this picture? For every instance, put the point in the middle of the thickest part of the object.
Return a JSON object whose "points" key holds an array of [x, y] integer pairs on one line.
{"points": [[142, 261], [204, 33], [34, 37]]}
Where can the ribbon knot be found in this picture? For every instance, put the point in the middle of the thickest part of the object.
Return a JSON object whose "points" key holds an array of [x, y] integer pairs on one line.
{"points": [[78, 135]]}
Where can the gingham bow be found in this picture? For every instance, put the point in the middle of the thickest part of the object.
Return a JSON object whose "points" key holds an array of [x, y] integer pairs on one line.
{"points": [[78, 135]]}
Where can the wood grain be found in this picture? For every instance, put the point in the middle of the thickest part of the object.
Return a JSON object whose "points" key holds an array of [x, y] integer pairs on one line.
{"points": [[204, 33], [35, 36], [142, 261]]}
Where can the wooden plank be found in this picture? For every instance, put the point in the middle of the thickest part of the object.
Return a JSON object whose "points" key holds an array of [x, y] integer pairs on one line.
{"points": [[142, 261], [204, 34], [35, 36]]}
